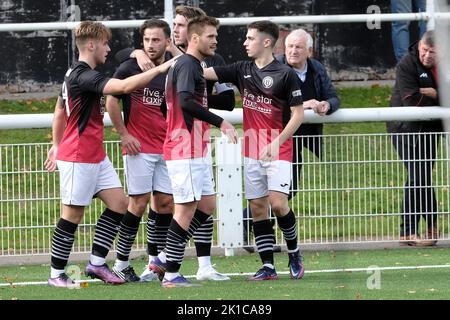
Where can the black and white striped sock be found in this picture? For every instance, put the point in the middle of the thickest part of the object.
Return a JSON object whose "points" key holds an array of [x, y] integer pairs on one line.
{"points": [[152, 246], [203, 238], [289, 228], [162, 223], [177, 238], [265, 240], [105, 232], [62, 242], [129, 227]]}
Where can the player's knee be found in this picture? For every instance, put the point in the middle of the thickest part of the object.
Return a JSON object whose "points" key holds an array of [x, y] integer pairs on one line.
{"points": [[208, 209], [207, 205], [279, 207], [137, 205], [162, 203], [164, 207], [259, 210], [122, 205]]}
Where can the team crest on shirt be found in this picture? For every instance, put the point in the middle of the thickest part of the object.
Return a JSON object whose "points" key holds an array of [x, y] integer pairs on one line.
{"points": [[203, 64], [267, 82]]}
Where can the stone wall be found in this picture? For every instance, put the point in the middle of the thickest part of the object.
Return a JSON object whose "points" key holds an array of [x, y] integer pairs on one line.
{"points": [[32, 61]]}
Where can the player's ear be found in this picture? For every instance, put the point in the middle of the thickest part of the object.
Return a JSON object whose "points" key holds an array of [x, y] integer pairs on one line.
{"points": [[267, 42], [90, 45], [195, 37]]}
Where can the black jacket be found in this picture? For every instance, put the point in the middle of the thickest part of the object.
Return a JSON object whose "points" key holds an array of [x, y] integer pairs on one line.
{"points": [[411, 75], [324, 89]]}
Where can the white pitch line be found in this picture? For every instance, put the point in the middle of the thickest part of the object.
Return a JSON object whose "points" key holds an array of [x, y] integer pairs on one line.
{"points": [[34, 283], [37, 283]]}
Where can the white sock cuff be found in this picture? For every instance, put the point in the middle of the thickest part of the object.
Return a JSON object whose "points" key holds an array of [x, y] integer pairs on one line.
{"points": [[171, 275], [269, 265], [204, 261], [55, 273], [162, 256], [97, 261], [120, 265]]}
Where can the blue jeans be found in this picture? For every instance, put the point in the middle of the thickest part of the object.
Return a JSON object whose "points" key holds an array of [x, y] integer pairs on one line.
{"points": [[400, 29]]}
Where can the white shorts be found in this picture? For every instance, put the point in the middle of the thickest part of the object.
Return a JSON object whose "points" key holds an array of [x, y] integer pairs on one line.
{"points": [[260, 177], [191, 179], [80, 182], [146, 173]]}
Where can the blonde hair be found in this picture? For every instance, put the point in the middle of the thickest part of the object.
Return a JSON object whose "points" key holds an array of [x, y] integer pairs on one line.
{"points": [[91, 30]]}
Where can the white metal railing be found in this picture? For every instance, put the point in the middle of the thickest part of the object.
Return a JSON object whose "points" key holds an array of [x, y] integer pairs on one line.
{"points": [[353, 195], [238, 21], [23, 121]]}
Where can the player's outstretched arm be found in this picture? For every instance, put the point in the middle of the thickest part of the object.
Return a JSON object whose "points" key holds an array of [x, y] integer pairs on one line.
{"points": [[210, 74], [117, 86], [142, 59], [224, 100]]}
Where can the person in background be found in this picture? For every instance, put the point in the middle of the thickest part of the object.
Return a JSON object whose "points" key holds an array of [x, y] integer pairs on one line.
{"points": [[400, 29], [416, 142]]}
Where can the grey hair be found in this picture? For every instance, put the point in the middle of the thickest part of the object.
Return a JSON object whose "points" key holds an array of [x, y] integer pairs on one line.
{"points": [[299, 33], [428, 38]]}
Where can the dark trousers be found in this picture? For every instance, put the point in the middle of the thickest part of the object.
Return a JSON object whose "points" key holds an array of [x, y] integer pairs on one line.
{"points": [[314, 144], [418, 153]]}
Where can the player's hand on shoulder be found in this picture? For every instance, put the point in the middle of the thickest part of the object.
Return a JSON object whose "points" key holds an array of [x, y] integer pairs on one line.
{"points": [[174, 50], [142, 60]]}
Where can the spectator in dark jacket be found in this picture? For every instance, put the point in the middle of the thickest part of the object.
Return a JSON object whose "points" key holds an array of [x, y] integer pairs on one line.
{"points": [[416, 142], [318, 94]]}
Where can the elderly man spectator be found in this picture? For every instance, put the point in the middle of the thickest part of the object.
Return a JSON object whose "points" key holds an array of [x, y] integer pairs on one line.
{"points": [[318, 94]]}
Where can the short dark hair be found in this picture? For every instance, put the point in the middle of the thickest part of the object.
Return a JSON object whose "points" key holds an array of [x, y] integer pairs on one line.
{"points": [[198, 24], [267, 27], [189, 12], [155, 23], [428, 38]]}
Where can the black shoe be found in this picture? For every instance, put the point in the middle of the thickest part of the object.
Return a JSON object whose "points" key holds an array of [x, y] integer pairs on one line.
{"points": [[127, 274], [249, 249], [296, 268]]}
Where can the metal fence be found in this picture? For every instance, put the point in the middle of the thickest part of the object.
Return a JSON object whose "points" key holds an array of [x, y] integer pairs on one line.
{"points": [[352, 195]]}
